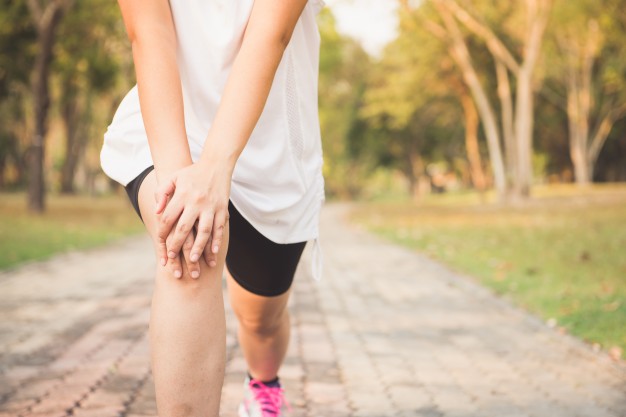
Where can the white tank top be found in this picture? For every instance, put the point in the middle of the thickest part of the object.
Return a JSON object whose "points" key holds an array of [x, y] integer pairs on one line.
{"points": [[277, 183]]}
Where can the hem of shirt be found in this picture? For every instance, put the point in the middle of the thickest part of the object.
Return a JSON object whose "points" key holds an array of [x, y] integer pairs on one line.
{"points": [[304, 236], [141, 163]]}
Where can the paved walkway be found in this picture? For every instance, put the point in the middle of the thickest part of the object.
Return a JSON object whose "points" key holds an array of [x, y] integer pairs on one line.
{"points": [[387, 333]]}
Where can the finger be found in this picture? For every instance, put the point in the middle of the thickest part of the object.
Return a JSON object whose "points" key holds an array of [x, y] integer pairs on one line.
{"points": [[209, 256], [162, 250], [162, 193], [176, 266], [192, 266], [167, 223], [179, 233], [218, 230], [203, 233]]}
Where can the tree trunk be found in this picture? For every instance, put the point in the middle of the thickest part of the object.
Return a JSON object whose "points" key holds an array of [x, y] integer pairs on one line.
{"points": [[578, 132], [414, 171], [3, 160], [506, 104], [462, 58], [524, 119], [47, 24], [536, 21], [585, 146], [471, 143], [74, 145]]}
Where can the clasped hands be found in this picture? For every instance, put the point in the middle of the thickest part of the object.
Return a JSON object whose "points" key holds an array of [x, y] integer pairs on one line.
{"points": [[192, 212]]}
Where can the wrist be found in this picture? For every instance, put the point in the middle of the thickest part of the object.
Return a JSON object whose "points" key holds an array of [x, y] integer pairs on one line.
{"points": [[167, 169], [218, 160]]}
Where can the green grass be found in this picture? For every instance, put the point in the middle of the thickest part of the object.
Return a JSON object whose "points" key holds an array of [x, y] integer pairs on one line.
{"points": [[68, 223], [561, 255]]}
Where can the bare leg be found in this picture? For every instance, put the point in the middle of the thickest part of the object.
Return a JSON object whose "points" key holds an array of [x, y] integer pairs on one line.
{"points": [[263, 329], [187, 330]]}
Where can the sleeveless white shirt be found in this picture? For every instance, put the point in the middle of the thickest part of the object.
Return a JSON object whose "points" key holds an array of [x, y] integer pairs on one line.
{"points": [[277, 183]]}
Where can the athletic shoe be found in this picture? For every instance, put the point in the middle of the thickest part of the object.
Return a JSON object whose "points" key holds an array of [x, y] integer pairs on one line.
{"points": [[260, 400]]}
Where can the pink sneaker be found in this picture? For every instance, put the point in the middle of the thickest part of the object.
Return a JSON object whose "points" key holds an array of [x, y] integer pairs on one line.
{"points": [[259, 400]]}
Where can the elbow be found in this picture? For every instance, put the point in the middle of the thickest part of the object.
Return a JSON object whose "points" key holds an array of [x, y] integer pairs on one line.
{"points": [[275, 38], [283, 38], [156, 37]]}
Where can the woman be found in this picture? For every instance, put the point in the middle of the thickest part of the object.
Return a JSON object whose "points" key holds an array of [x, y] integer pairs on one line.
{"points": [[218, 146]]}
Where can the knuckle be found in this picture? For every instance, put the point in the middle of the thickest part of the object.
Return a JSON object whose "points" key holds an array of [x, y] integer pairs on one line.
{"points": [[205, 230], [183, 228], [198, 197]]}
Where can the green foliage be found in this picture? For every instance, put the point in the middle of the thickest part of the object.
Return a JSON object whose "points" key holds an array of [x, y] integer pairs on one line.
{"points": [[17, 36], [344, 66], [557, 258], [374, 113], [83, 52], [70, 223], [411, 102]]}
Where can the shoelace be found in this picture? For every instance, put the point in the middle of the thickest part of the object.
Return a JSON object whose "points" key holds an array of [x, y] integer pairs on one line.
{"points": [[270, 398]]}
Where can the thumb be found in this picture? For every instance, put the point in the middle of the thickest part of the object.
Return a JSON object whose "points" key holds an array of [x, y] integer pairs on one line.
{"points": [[162, 193]]}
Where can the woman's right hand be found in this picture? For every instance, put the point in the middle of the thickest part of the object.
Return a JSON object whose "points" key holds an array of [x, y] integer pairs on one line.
{"points": [[193, 201]]}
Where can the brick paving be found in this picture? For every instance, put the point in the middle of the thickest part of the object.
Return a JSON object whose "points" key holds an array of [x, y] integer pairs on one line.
{"points": [[387, 333]]}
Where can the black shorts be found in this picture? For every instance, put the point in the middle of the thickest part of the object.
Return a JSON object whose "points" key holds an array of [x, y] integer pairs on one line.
{"points": [[258, 264]]}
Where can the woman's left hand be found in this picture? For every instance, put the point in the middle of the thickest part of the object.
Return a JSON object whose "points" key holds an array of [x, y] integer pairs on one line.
{"points": [[194, 196]]}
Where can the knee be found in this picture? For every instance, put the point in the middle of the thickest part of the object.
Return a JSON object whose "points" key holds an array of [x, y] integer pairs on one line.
{"points": [[262, 325], [187, 286]]}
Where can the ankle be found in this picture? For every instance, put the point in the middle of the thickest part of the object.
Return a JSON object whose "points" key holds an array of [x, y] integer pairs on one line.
{"points": [[273, 382]]}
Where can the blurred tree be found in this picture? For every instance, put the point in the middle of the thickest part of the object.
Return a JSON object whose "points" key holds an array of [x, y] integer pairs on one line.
{"points": [[344, 66], [85, 68], [588, 41], [46, 16], [526, 34], [17, 37], [411, 96]]}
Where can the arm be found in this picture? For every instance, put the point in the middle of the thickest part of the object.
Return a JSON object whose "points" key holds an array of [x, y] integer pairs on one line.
{"points": [[269, 30], [151, 32]]}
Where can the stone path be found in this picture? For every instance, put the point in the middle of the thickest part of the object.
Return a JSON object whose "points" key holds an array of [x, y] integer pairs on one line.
{"points": [[387, 333]]}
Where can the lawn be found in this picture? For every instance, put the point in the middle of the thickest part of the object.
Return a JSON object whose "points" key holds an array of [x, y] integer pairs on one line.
{"points": [[560, 256], [68, 223]]}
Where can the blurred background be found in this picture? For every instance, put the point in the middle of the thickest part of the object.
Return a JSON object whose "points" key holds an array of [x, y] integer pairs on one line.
{"points": [[489, 135]]}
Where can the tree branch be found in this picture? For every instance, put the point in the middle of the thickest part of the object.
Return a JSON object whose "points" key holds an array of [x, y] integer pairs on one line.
{"points": [[35, 11], [494, 44], [434, 28], [603, 131]]}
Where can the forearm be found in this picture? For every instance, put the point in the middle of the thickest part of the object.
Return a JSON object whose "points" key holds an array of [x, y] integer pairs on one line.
{"points": [[160, 96], [152, 34], [247, 88], [242, 101]]}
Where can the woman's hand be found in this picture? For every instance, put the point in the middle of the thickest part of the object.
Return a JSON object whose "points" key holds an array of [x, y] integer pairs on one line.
{"points": [[194, 198]]}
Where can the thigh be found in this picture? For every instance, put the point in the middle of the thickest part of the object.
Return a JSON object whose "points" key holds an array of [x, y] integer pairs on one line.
{"points": [[146, 205], [253, 310], [257, 264]]}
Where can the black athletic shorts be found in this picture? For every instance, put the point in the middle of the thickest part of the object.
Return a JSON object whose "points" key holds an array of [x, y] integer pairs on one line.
{"points": [[258, 264]]}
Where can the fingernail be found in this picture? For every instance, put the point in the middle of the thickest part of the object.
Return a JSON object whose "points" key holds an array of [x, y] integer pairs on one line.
{"points": [[194, 257], [171, 254], [177, 273], [195, 274], [163, 261], [213, 263], [215, 249]]}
